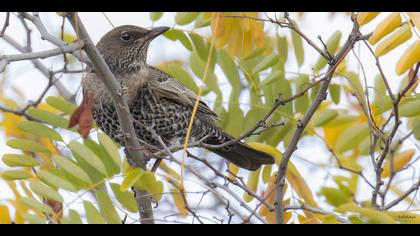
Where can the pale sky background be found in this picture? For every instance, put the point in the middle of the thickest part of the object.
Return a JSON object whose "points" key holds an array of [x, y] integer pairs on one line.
{"points": [[32, 82]]}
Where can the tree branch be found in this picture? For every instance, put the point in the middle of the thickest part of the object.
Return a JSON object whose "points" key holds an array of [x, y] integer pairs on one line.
{"points": [[321, 95], [43, 69], [6, 59], [6, 24], [120, 101]]}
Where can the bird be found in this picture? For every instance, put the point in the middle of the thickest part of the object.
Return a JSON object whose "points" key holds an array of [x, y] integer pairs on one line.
{"points": [[159, 104]]}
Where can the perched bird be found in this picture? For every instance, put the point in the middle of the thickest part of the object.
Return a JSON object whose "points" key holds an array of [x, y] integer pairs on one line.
{"points": [[157, 100]]}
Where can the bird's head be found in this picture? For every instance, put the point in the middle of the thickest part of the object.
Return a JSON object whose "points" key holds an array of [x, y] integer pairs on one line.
{"points": [[125, 47]]}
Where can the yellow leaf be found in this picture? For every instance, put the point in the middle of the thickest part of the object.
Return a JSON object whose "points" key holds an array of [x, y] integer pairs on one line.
{"points": [[388, 25], [233, 169], [240, 35], [334, 128], [415, 18], [400, 161], [351, 137], [342, 67], [10, 121], [4, 215], [365, 17], [163, 166], [372, 215], [267, 149], [394, 40], [410, 56], [292, 175], [179, 202]]}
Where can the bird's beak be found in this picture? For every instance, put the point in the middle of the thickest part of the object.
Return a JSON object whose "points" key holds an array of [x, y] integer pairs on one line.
{"points": [[157, 31]]}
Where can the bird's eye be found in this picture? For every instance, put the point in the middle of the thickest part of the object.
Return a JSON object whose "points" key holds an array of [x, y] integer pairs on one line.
{"points": [[125, 36]]}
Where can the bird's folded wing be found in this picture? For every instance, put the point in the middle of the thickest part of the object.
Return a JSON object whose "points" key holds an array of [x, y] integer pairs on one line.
{"points": [[170, 88]]}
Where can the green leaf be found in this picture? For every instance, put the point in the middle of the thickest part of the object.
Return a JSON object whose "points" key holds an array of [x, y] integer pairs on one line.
{"points": [[131, 179], [235, 121], [93, 216], [111, 168], [335, 93], [282, 48], [298, 47], [301, 104], [39, 130], [416, 128], [72, 168], [34, 219], [334, 196], [155, 16], [230, 69], [55, 181], [256, 52], [184, 18], [87, 155], [61, 104], [314, 91], [49, 118], [266, 63], [107, 208], [14, 160], [341, 120], [324, 117], [126, 198], [198, 67], [272, 77], [11, 175], [72, 218], [410, 109], [252, 183], [176, 34], [110, 148], [36, 205], [355, 83], [201, 22], [149, 183], [27, 145], [200, 46], [45, 191], [380, 87], [352, 137]]}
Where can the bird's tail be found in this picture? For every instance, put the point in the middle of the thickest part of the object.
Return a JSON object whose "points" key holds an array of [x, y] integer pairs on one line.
{"points": [[243, 155]]}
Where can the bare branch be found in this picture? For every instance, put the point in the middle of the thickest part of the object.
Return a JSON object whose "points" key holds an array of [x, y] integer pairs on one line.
{"points": [[413, 188], [43, 69], [37, 55], [36, 20], [5, 25], [280, 179]]}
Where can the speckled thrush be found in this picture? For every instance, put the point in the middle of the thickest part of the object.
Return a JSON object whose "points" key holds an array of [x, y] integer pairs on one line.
{"points": [[157, 100]]}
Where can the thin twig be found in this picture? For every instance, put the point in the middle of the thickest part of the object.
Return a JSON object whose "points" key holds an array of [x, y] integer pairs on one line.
{"points": [[5, 25]]}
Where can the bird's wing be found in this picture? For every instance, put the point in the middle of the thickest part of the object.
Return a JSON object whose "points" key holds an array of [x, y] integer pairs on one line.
{"points": [[168, 87]]}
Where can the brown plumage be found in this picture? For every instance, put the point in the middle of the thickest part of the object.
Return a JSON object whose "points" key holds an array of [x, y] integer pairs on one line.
{"points": [[157, 100]]}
